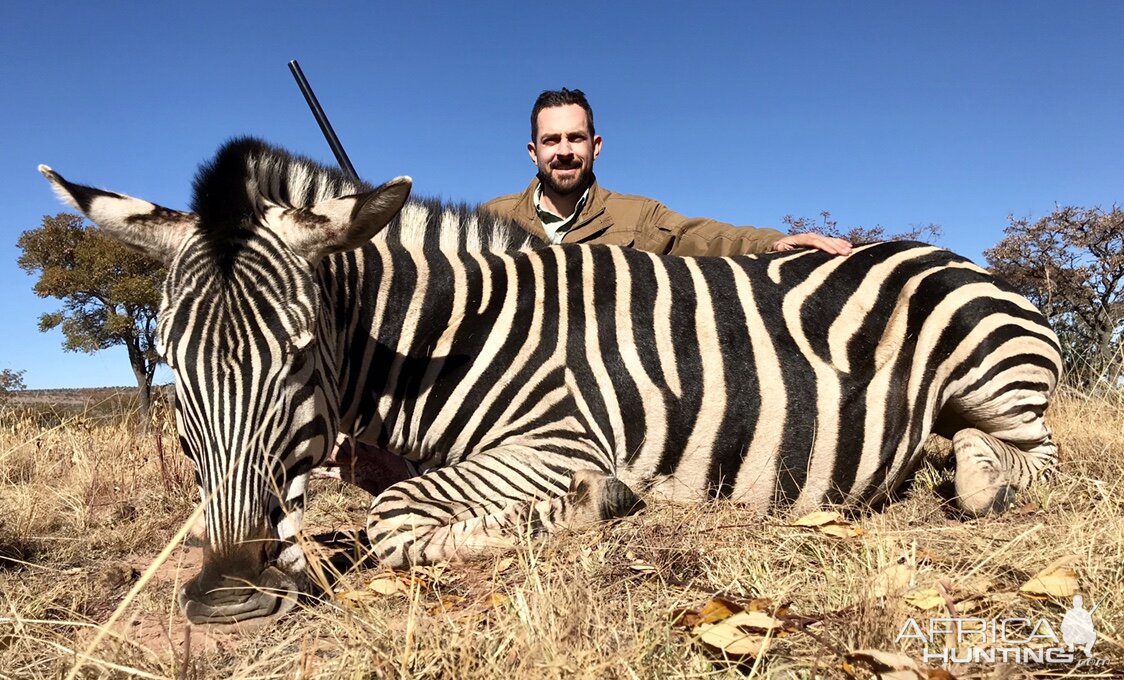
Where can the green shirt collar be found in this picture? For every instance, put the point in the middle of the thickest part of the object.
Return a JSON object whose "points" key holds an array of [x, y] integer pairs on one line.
{"points": [[557, 226]]}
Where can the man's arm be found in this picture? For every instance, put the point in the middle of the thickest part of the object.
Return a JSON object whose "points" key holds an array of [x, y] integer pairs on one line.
{"points": [[828, 244], [703, 236]]}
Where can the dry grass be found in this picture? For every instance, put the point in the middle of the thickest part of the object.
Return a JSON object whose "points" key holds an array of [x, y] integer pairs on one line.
{"points": [[84, 508]]}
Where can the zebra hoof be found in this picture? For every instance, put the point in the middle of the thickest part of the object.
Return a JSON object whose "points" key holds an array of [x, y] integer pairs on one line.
{"points": [[603, 496], [618, 500], [228, 600]]}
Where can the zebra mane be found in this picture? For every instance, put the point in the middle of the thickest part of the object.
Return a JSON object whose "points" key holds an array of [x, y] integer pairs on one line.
{"points": [[247, 174]]}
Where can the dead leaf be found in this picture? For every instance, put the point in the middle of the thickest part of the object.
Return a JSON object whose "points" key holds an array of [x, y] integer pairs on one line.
{"points": [[926, 599], [387, 584], [447, 604], [433, 574], [894, 666], [893, 580], [642, 567], [972, 604], [755, 622], [504, 564], [818, 518], [731, 640], [497, 600], [926, 555], [353, 598], [976, 585], [715, 610], [830, 523], [842, 530], [1058, 579]]}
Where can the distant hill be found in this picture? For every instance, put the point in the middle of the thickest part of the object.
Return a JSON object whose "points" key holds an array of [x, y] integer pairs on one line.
{"points": [[93, 400]]}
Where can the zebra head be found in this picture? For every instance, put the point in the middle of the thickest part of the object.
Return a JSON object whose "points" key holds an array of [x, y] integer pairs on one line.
{"points": [[239, 326]]}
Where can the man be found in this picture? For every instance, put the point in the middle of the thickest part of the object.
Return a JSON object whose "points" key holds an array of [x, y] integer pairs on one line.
{"points": [[565, 204]]}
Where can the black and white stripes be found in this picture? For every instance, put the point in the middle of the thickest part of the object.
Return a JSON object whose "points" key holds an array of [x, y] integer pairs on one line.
{"points": [[535, 386]]}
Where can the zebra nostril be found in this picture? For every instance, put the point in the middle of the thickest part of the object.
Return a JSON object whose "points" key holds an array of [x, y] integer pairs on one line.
{"points": [[209, 600]]}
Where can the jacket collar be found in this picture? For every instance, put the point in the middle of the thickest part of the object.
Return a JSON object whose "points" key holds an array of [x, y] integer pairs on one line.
{"points": [[594, 209]]}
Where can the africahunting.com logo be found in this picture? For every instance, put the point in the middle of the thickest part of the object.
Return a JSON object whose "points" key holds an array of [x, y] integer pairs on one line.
{"points": [[1018, 640]]}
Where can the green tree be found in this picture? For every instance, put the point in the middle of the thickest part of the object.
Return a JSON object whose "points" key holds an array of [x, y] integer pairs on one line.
{"points": [[110, 294], [10, 381], [829, 227], [1071, 264]]}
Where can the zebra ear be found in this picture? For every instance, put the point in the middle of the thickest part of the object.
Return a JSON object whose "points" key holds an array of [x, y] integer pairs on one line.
{"points": [[344, 223], [153, 230]]}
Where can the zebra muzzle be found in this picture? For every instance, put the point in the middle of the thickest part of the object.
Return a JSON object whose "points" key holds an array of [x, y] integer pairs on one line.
{"points": [[231, 599]]}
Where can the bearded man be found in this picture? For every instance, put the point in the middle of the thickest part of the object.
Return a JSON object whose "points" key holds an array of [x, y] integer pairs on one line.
{"points": [[565, 204]]}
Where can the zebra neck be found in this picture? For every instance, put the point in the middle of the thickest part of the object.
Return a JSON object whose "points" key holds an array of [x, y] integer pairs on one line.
{"points": [[394, 313]]}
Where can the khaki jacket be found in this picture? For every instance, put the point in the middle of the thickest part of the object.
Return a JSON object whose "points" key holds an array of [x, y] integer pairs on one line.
{"points": [[639, 222]]}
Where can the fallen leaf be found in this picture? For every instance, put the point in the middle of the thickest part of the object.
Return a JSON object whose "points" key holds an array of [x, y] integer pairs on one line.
{"points": [[926, 555], [829, 523], [642, 567], [893, 580], [352, 598], [715, 610], [504, 564], [758, 615], [1058, 579], [731, 640], [842, 530], [433, 574], [894, 666], [972, 604], [447, 603], [497, 600], [926, 599], [387, 584], [976, 585], [818, 518], [755, 621]]}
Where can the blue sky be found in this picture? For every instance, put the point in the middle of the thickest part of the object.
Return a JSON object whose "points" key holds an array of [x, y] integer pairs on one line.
{"points": [[890, 113]]}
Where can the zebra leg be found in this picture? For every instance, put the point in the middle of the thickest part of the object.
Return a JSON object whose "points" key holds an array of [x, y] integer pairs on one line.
{"points": [[990, 471], [461, 511]]}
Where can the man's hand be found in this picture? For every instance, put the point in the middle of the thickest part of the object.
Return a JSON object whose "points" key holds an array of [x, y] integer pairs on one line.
{"points": [[828, 244]]}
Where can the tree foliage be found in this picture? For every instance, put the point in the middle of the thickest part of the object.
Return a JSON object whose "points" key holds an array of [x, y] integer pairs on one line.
{"points": [[110, 294], [1071, 264], [10, 381], [827, 226]]}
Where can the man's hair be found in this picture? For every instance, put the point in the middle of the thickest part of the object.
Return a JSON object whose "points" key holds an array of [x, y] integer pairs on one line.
{"points": [[564, 97]]}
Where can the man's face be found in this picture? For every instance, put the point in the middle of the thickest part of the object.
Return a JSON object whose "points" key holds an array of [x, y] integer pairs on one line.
{"points": [[564, 150]]}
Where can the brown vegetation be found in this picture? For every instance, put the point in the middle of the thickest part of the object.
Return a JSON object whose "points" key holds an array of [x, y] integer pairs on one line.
{"points": [[86, 506]]}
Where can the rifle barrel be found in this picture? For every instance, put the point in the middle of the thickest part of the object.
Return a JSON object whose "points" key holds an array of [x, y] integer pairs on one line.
{"points": [[322, 121]]}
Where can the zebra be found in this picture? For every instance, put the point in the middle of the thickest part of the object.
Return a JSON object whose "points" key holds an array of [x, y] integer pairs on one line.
{"points": [[542, 387]]}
